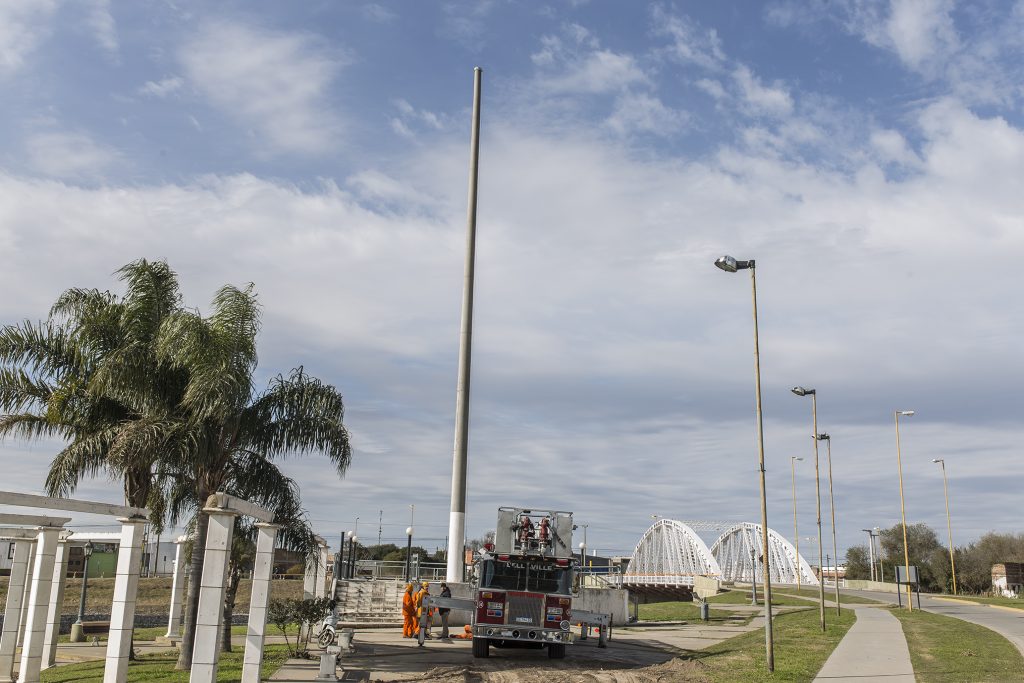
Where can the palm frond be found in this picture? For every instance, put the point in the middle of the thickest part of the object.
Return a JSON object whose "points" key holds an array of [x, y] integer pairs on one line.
{"points": [[29, 426], [298, 414], [20, 391]]}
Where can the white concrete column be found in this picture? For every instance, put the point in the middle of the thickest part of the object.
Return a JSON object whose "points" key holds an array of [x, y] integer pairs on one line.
{"points": [[28, 585], [122, 610], [263, 569], [53, 612], [210, 613], [309, 589], [177, 591], [38, 601], [321, 572], [13, 609]]}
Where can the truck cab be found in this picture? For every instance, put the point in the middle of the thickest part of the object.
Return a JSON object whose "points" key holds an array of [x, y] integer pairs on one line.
{"points": [[524, 583]]}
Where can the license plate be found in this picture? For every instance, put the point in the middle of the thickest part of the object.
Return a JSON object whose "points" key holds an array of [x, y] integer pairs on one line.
{"points": [[523, 620]]}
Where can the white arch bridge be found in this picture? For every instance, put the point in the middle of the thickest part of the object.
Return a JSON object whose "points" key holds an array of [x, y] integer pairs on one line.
{"points": [[670, 555]]}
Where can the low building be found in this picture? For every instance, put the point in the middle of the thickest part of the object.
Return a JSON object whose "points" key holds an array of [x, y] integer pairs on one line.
{"points": [[1008, 579]]}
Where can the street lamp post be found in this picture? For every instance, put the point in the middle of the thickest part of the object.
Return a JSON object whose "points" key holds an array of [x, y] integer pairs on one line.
{"points": [[408, 553], [903, 509], [878, 552], [871, 551], [583, 555], [832, 506], [78, 629], [731, 265], [949, 525], [796, 535], [800, 391]]}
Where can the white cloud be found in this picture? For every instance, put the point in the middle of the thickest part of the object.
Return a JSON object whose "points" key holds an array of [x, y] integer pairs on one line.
{"points": [[163, 87], [921, 31], [891, 146], [712, 87], [63, 154], [582, 67], [273, 81], [378, 13], [104, 29], [23, 24], [639, 112], [773, 100], [690, 43]]}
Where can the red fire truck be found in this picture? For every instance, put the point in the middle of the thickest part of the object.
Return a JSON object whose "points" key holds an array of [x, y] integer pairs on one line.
{"points": [[522, 590], [524, 583]]}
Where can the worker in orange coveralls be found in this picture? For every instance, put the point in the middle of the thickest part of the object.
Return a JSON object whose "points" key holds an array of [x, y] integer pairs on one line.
{"points": [[418, 602], [408, 612]]}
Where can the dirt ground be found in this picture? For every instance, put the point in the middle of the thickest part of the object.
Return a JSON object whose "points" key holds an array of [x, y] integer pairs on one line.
{"points": [[634, 655]]}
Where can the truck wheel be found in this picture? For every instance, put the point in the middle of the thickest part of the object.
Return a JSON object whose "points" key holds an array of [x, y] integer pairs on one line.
{"points": [[481, 647], [556, 651]]}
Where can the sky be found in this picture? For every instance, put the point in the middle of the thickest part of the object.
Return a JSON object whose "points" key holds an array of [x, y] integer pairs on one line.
{"points": [[868, 154]]}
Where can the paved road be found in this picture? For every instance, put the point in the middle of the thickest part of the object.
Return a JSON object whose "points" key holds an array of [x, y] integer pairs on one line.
{"points": [[1006, 621]]}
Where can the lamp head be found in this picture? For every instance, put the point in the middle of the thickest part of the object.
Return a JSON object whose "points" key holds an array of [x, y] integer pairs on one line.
{"points": [[354, 538], [583, 546], [824, 437], [938, 460], [726, 263], [731, 265], [87, 550], [793, 457], [800, 391], [908, 413]]}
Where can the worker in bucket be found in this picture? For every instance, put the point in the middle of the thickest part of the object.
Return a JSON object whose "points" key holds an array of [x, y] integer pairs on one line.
{"points": [[409, 626]]}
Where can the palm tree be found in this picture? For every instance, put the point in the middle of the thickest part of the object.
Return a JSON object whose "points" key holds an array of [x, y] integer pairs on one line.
{"points": [[226, 430], [89, 375]]}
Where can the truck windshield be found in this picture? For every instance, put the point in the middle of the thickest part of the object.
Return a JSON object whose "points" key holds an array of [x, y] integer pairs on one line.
{"points": [[525, 576]]}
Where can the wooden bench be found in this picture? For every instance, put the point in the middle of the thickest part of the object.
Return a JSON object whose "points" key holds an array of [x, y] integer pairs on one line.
{"points": [[95, 627]]}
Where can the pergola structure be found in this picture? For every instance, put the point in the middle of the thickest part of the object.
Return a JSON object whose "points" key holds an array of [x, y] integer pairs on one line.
{"points": [[39, 568], [45, 540]]}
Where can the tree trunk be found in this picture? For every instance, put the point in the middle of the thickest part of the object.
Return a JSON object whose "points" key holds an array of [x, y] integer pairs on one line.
{"points": [[234, 576], [192, 599]]}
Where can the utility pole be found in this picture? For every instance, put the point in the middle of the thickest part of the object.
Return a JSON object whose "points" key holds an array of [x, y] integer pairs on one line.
{"points": [[457, 519]]}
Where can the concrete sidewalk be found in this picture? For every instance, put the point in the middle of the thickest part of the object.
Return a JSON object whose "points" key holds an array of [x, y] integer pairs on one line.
{"points": [[873, 648]]}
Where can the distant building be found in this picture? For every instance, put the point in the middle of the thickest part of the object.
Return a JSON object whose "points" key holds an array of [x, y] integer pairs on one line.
{"points": [[1008, 579]]}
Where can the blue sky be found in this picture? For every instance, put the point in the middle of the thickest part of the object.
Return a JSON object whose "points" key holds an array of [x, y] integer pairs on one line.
{"points": [[867, 154]]}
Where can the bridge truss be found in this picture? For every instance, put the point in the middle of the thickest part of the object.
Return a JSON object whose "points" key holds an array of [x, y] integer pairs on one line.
{"points": [[739, 551], [670, 554]]}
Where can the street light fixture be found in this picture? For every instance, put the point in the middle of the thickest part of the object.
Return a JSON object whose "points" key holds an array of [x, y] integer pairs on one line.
{"points": [[731, 265], [800, 391], [408, 553], [949, 526], [871, 552], [796, 535], [78, 629], [832, 506], [903, 509]]}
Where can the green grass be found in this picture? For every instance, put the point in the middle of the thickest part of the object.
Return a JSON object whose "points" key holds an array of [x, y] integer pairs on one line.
{"points": [[1016, 603], [947, 649], [160, 667], [153, 632], [830, 594], [683, 611], [800, 650], [739, 596]]}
